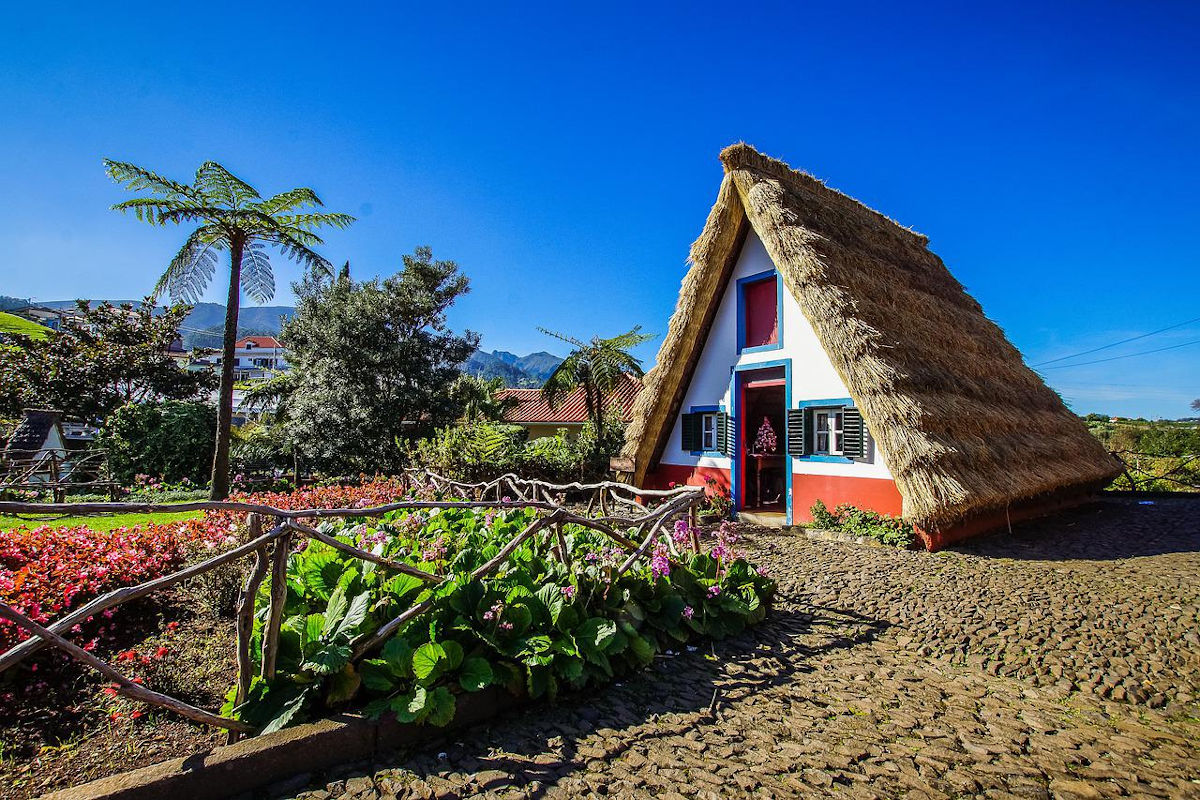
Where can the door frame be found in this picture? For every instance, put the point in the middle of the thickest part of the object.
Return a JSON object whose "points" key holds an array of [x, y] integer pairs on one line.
{"points": [[741, 373]]}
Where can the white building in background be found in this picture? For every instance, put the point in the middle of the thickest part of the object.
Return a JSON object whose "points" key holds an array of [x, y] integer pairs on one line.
{"points": [[254, 357]]}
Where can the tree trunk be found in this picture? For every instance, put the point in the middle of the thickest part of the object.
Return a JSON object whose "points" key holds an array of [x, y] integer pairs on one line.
{"points": [[220, 468]]}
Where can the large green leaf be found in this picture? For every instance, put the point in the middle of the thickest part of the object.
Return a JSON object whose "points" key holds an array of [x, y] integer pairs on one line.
{"points": [[328, 659], [440, 707], [476, 673], [355, 615], [377, 675], [342, 685], [402, 585], [398, 653], [429, 662]]}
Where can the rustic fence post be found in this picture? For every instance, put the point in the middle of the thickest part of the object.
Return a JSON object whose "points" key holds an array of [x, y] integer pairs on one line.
{"points": [[245, 616], [270, 642], [55, 490]]}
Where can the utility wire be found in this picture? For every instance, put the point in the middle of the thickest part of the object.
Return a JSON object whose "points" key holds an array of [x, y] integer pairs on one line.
{"points": [[1114, 344], [1130, 355]]}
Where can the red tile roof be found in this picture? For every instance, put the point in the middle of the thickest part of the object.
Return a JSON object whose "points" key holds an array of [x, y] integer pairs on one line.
{"points": [[259, 341], [571, 409]]}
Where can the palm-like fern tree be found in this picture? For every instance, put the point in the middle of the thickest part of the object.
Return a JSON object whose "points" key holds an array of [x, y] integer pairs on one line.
{"points": [[231, 216], [596, 366], [480, 398]]}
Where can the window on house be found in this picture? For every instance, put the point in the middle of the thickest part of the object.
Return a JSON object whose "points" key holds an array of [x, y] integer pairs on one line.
{"points": [[708, 432], [760, 312], [828, 432]]}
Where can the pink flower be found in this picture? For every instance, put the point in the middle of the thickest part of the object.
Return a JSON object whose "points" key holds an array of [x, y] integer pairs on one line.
{"points": [[714, 590], [568, 592], [506, 626], [660, 566], [688, 612]]}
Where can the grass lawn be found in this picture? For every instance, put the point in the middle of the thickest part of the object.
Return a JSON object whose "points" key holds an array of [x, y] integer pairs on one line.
{"points": [[100, 523], [11, 323]]}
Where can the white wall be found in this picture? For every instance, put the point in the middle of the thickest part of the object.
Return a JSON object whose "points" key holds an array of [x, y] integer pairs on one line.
{"points": [[813, 375]]}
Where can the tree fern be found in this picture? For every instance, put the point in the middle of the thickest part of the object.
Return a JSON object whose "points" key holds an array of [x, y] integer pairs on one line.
{"points": [[232, 217]]}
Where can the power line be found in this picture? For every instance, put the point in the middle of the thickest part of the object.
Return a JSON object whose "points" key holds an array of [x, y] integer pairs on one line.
{"points": [[1114, 344], [1130, 355]]}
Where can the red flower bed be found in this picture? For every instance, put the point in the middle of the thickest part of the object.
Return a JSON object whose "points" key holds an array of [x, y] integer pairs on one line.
{"points": [[47, 571]]}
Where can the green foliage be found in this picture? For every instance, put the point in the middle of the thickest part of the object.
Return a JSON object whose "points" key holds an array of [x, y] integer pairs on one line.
{"points": [[859, 522], [478, 398], [1159, 456], [486, 450], [597, 367], [372, 365], [104, 357], [534, 628], [171, 440]]}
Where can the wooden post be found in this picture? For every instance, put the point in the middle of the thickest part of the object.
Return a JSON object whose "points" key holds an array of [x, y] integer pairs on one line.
{"points": [[270, 642], [55, 491], [563, 553], [245, 616]]}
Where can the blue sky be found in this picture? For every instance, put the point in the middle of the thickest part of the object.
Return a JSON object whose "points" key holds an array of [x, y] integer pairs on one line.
{"points": [[566, 159]]}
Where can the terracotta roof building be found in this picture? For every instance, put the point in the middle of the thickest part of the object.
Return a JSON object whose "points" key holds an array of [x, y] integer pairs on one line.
{"points": [[534, 414]]}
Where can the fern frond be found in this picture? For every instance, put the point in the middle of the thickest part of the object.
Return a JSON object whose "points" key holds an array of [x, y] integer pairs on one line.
{"points": [[301, 197], [316, 220], [190, 271], [138, 179], [218, 182], [258, 280]]}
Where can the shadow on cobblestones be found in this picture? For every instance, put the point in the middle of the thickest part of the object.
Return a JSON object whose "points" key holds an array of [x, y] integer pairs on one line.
{"points": [[1107, 530]]}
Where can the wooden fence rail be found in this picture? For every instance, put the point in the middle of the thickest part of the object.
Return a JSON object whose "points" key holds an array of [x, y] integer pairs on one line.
{"points": [[270, 552]]}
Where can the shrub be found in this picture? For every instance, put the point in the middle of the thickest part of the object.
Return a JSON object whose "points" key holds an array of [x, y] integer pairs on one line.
{"points": [[855, 521], [478, 451], [170, 441], [535, 628]]}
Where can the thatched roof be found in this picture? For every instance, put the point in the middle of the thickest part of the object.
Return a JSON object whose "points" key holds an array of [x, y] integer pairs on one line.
{"points": [[962, 423], [35, 428]]}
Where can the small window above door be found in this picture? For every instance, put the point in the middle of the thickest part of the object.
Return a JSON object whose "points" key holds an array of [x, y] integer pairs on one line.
{"points": [[759, 313]]}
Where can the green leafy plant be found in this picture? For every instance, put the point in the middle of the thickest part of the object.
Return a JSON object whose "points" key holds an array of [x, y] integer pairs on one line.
{"points": [[859, 522], [535, 628]]}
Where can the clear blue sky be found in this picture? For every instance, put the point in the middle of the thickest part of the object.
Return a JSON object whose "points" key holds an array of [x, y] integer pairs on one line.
{"points": [[566, 159]]}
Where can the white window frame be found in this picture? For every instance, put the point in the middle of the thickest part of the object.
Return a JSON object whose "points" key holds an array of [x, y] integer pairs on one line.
{"points": [[835, 432], [708, 432]]}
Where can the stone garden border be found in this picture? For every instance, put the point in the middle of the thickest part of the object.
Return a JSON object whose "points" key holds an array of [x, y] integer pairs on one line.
{"points": [[236, 769]]}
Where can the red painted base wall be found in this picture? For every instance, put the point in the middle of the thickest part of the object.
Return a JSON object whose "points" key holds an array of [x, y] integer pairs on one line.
{"points": [[873, 494], [666, 474]]}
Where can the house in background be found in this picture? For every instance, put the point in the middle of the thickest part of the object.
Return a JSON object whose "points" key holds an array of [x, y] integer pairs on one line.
{"points": [[254, 357], [537, 417], [820, 351]]}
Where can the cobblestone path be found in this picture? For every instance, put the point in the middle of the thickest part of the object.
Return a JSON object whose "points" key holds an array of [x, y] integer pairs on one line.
{"points": [[1060, 661]]}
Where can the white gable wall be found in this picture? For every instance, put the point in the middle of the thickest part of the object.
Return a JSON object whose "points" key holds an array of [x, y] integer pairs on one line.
{"points": [[813, 375]]}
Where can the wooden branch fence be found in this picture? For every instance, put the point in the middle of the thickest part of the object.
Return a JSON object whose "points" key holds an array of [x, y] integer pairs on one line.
{"points": [[1178, 470], [270, 550], [57, 471]]}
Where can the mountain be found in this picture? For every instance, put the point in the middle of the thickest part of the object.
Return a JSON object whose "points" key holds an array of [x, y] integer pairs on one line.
{"points": [[205, 324], [528, 371], [540, 364]]}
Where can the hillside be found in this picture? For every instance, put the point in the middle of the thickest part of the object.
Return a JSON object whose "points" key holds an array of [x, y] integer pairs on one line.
{"points": [[10, 323]]}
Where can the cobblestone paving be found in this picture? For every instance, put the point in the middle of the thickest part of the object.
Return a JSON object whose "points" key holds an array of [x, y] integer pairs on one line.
{"points": [[1060, 661]]}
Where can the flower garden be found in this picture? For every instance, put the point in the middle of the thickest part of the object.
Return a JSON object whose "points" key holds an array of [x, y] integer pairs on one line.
{"points": [[563, 612]]}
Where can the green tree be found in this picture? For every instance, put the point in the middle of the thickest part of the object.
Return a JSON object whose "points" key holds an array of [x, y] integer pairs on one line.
{"points": [[479, 398], [372, 364], [598, 368], [169, 440], [233, 217], [104, 357]]}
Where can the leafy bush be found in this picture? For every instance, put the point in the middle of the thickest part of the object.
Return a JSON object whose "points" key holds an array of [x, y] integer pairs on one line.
{"points": [[170, 441], [855, 521], [535, 628], [478, 451]]}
